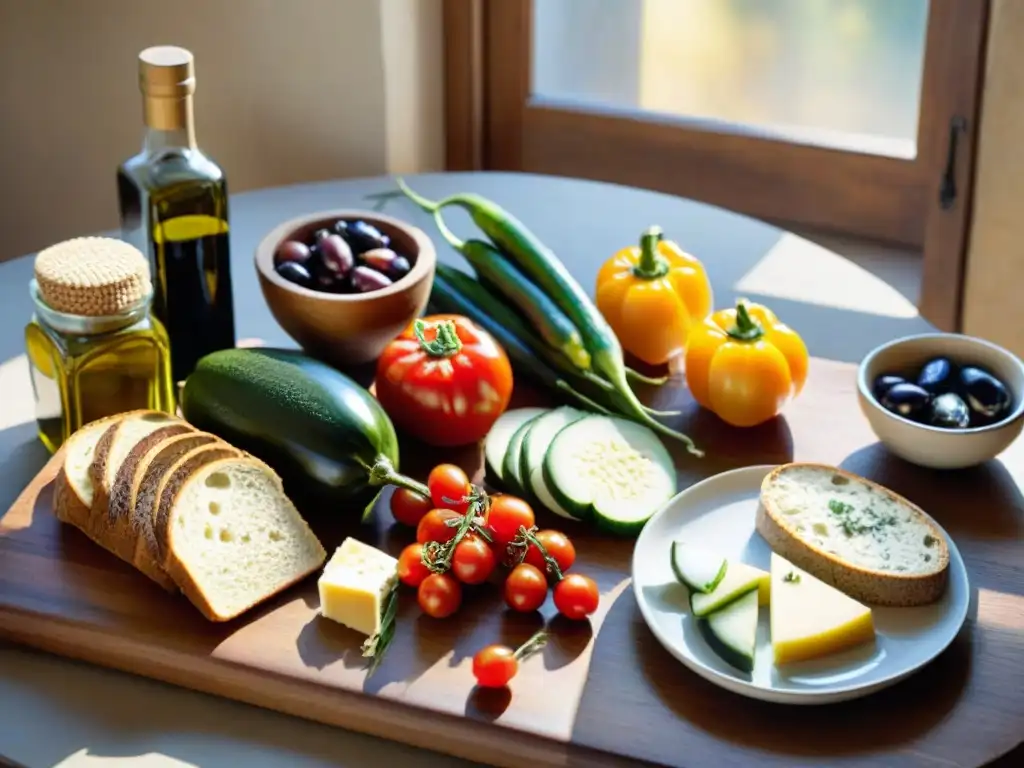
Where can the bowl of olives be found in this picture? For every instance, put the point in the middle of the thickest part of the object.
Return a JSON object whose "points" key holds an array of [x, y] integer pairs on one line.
{"points": [[943, 400], [344, 283]]}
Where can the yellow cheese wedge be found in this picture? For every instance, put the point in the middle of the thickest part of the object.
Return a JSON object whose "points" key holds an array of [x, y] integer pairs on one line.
{"points": [[354, 584], [810, 618]]}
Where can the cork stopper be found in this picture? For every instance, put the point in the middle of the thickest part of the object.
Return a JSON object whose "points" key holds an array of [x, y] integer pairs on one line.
{"points": [[92, 276]]}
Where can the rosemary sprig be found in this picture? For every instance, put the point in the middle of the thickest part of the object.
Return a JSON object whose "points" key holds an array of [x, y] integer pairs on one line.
{"points": [[376, 646], [437, 557]]}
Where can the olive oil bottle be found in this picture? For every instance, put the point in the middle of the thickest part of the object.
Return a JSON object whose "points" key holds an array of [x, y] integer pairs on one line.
{"points": [[174, 208]]}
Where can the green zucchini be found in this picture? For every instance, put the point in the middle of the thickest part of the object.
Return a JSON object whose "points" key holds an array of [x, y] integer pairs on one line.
{"points": [[326, 436], [511, 472], [696, 568], [497, 440], [535, 447], [732, 632]]}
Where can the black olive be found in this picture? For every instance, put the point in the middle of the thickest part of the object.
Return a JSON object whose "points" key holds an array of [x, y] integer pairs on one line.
{"points": [[884, 383], [291, 250], [365, 279], [938, 376], [336, 254], [363, 236], [907, 400], [294, 272], [949, 411], [379, 259], [399, 268], [985, 395], [320, 234]]}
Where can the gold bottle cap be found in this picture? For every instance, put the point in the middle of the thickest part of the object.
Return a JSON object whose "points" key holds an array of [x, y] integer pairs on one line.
{"points": [[166, 71], [92, 276]]}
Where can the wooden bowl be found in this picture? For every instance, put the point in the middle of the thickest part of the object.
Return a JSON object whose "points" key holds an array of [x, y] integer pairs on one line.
{"points": [[353, 328]]}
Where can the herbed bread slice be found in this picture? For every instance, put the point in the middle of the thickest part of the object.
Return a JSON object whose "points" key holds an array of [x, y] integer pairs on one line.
{"points": [[179, 455], [73, 489], [120, 532], [111, 451], [853, 534], [234, 539]]}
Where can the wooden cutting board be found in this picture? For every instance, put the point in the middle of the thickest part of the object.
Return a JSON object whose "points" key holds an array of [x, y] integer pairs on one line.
{"points": [[603, 694]]}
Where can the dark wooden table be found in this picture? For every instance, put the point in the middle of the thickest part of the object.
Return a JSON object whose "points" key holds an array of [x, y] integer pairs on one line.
{"points": [[627, 695]]}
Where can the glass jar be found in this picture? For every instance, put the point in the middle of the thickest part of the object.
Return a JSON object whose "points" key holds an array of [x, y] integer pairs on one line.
{"points": [[84, 368]]}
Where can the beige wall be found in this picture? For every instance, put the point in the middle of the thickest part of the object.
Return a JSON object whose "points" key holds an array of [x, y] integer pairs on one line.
{"points": [[994, 296], [287, 91]]}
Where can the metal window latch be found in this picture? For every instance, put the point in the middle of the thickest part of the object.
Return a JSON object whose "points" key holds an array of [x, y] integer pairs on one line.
{"points": [[948, 190]]}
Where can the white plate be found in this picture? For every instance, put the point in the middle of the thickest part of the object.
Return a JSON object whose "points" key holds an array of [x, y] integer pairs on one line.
{"points": [[719, 512]]}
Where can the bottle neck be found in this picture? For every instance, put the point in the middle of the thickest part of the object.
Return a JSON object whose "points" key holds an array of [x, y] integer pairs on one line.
{"points": [[169, 124]]}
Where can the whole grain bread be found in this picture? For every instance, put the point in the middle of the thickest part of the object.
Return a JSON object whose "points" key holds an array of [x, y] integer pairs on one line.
{"points": [[853, 534]]}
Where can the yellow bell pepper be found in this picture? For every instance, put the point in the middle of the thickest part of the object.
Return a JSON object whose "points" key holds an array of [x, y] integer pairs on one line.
{"points": [[744, 365], [651, 295]]}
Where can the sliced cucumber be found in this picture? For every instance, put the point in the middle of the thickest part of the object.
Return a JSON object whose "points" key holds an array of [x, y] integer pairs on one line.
{"points": [[610, 469], [497, 440], [510, 468], [697, 568], [535, 447], [732, 631], [739, 579]]}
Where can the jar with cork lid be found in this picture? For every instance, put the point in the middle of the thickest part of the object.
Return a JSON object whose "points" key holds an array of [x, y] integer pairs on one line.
{"points": [[94, 348]]}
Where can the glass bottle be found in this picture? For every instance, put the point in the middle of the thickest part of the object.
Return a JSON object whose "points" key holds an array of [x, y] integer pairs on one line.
{"points": [[93, 347], [174, 207]]}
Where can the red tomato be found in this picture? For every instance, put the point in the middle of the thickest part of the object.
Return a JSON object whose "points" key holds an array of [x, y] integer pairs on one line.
{"points": [[411, 570], [507, 514], [444, 380], [409, 507], [494, 666], [439, 595], [473, 560], [526, 589], [557, 545], [576, 596], [447, 481], [433, 526]]}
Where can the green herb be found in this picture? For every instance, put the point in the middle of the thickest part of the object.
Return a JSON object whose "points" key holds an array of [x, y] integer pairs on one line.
{"points": [[929, 540], [792, 577], [376, 646], [853, 523], [839, 508]]}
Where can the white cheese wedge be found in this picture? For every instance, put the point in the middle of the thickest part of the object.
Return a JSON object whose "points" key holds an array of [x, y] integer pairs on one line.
{"points": [[354, 584], [811, 619]]}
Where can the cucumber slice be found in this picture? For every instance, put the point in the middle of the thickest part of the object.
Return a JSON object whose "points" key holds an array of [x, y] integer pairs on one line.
{"points": [[497, 440], [739, 579], [535, 447], [610, 469], [732, 631], [510, 468], [697, 568]]}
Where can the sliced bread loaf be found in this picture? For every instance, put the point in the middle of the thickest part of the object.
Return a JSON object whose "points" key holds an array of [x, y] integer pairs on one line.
{"points": [[119, 531], [111, 451], [853, 534], [147, 496], [233, 538], [73, 489]]}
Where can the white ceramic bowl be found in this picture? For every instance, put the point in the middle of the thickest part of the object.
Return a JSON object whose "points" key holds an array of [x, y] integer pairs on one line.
{"points": [[932, 446]]}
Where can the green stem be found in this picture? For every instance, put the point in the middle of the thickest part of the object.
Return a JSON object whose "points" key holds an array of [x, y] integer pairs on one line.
{"points": [[746, 328], [445, 344], [531, 646], [656, 381], [564, 386], [656, 412], [430, 206], [437, 557], [650, 266], [452, 239], [383, 473], [527, 536]]}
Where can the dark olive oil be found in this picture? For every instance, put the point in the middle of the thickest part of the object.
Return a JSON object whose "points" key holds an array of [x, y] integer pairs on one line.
{"points": [[174, 207]]}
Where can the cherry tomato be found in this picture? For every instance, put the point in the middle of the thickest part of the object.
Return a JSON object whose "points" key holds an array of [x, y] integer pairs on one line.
{"points": [[411, 570], [433, 526], [409, 507], [576, 596], [447, 481], [439, 595], [444, 380], [526, 589], [473, 560], [557, 545], [507, 514], [494, 666]]}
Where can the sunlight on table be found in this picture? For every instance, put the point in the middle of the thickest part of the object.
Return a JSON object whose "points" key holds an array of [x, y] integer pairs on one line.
{"points": [[16, 396]]}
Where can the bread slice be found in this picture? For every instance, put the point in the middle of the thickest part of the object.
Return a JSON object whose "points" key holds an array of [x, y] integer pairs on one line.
{"points": [[146, 496], [853, 534], [111, 451], [118, 529], [73, 489], [233, 538]]}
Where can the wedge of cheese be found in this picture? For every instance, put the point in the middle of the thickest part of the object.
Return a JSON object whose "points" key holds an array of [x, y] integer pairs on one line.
{"points": [[811, 619], [354, 585]]}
